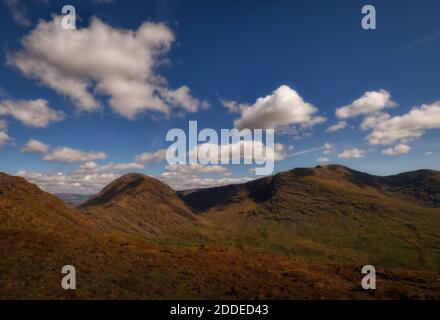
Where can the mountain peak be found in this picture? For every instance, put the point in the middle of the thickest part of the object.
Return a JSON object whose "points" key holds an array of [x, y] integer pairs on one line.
{"points": [[138, 203]]}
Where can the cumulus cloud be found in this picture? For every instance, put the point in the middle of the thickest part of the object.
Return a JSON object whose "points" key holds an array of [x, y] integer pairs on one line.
{"points": [[35, 146], [4, 138], [247, 150], [397, 150], [323, 160], [19, 12], [283, 107], [120, 64], [92, 166], [233, 106], [180, 183], [189, 176], [338, 126], [370, 102], [89, 178], [152, 157], [412, 125], [70, 182], [33, 113], [352, 154], [68, 155], [196, 168], [328, 148]]}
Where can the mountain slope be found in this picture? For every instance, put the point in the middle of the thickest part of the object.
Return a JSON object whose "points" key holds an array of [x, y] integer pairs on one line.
{"points": [[136, 203], [39, 234], [331, 213]]}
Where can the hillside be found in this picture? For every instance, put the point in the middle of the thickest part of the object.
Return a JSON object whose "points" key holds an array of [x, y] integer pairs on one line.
{"points": [[136, 203], [330, 213], [241, 242]]}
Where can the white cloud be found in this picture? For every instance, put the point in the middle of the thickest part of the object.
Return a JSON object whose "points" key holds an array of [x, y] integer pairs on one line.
{"points": [[283, 107], [4, 138], [182, 176], [19, 12], [338, 126], [353, 153], [370, 102], [196, 168], [33, 113], [429, 153], [68, 155], [328, 148], [409, 126], [182, 97], [35, 146], [89, 178], [180, 183], [233, 106], [256, 151], [152, 157], [374, 120], [397, 150], [323, 160], [120, 64], [70, 182], [91, 166]]}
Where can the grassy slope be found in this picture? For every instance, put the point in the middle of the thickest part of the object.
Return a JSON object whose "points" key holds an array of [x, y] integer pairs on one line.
{"points": [[333, 220], [39, 234]]}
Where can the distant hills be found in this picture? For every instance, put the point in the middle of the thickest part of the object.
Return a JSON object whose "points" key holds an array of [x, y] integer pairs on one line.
{"points": [[72, 199], [303, 233]]}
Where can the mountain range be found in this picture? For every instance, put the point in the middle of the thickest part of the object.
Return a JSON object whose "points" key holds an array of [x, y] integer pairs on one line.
{"points": [[299, 234]]}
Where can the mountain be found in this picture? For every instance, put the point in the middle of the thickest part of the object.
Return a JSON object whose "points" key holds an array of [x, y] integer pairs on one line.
{"points": [[73, 199], [136, 203], [26, 208], [300, 234], [330, 213]]}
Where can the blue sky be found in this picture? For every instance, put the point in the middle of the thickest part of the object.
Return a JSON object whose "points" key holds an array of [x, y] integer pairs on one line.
{"points": [[236, 51]]}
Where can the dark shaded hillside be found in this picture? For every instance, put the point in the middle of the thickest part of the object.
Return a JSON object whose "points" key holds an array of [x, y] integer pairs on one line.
{"points": [[298, 185]]}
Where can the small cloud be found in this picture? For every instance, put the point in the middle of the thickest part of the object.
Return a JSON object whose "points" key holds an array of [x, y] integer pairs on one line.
{"points": [[152, 157], [35, 146], [429, 153], [352, 154], [33, 113], [323, 160], [4, 138], [328, 148], [397, 150], [370, 102], [338, 126], [19, 12], [68, 155]]}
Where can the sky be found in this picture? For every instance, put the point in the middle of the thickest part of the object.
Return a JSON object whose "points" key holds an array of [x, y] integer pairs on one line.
{"points": [[79, 108]]}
